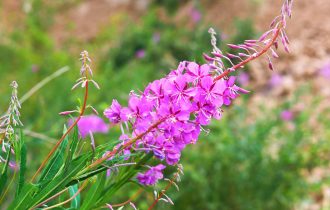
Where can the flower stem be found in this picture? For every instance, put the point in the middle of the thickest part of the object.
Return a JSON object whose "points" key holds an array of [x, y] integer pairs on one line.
{"points": [[129, 200], [82, 111], [71, 198], [251, 58], [2, 138], [49, 199], [127, 144], [163, 192]]}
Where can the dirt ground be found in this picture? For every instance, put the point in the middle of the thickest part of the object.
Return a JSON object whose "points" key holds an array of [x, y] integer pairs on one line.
{"points": [[309, 32]]}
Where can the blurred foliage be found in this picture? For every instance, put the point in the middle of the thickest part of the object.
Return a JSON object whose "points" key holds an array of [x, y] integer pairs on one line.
{"points": [[234, 167], [261, 165], [170, 5]]}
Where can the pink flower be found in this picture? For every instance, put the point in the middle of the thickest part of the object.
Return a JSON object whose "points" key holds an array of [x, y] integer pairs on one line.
{"points": [[156, 37], [243, 79], [287, 115], [140, 54], [91, 123], [35, 68], [275, 81], [113, 112], [325, 71], [151, 176], [183, 101], [196, 16]]}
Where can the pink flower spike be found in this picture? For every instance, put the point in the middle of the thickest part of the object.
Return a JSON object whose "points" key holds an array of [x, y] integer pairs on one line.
{"points": [[207, 58], [264, 36], [109, 206], [232, 46], [133, 206], [217, 54], [285, 45], [276, 45], [249, 45], [251, 41], [274, 21], [66, 113], [274, 54], [283, 34], [270, 64], [242, 90], [231, 56]]}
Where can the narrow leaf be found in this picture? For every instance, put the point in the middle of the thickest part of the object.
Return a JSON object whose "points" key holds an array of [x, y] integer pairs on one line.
{"points": [[24, 197], [60, 181], [94, 193], [4, 176], [54, 165], [75, 203], [22, 167], [73, 147]]}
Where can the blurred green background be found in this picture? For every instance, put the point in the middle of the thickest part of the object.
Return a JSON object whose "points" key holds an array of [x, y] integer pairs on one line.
{"points": [[271, 150]]}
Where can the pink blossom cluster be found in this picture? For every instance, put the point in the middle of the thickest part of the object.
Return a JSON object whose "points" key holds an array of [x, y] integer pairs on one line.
{"points": [[181, 103], [151, 176]]}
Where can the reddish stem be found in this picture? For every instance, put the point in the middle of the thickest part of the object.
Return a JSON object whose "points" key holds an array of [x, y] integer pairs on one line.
{"points": [[126, 145], [2, 138], [65, 134], [84, 184], [129, 200], [225, 73], [49, 199], [251, 58], [163, 191]]}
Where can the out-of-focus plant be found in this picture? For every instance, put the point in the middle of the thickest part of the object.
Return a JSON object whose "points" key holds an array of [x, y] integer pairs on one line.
{"points": [[149, 49], [263, 165], [158, 123]]}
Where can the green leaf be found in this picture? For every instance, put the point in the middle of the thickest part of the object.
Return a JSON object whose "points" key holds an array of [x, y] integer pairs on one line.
{"points": [[73, 147], [22, 168], [4, 176], [100, 169], [24, 197], [94, 192], [60, 181], [124, 178], [54, 165], [75, 203]]}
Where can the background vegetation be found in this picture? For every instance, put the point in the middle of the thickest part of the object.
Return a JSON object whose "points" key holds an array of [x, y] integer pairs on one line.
{"points": [[249, 161]]}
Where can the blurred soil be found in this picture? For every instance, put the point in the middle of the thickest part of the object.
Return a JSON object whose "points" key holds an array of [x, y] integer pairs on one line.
{"points": [[309, 32], [86, 19]]}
